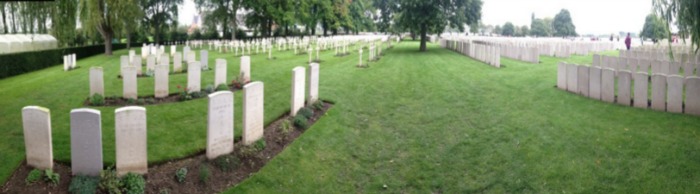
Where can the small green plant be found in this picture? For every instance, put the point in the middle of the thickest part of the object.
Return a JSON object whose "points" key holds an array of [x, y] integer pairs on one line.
{"points": [[109, 181], [164, 191], [285, 127], [300, 122], [181, 174], [149, 73], [306, 112], [204, 173], [318, 105], [83, 185], [222, 87], [239, 82], [131, 101], [197, 94], [134, 184], [33, 176], [260, 145], [209, 89], [140, 101], [184, 94], [150, 101], [227, 162], [52, 177], [97, 100]]}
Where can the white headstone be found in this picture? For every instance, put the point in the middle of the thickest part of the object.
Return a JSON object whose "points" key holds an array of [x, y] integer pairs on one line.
{"points": [[594, 82], [607, 86], [131, 142], [86, 142], [674, 96], [624, 81], [658, 92], [97, 81], [36, 122], [177, 62], [245, 68], [151, 63], [313, 82], [204, 59], [162, 73], [641, 89], [298, 82], [253, 112], [220, 124], [129, 86], [692, 95], [220, 74], [194, 71], [561, 75], [136, 62]]}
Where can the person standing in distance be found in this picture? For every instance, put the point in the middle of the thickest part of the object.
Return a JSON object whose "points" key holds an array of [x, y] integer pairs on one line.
{"points": [[628, 41]]}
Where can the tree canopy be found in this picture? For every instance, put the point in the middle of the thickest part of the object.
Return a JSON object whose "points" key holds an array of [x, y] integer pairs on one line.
{"points": [[508, 29], [685, 13], [562, 24], [423, 17], [654, 28]]}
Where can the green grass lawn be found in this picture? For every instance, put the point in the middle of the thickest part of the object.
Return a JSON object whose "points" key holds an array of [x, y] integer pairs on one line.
{"points": [[415, 122]]}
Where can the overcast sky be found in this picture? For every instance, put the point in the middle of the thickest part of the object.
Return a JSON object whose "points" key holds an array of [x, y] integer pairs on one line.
{"points": [[589, 16]]}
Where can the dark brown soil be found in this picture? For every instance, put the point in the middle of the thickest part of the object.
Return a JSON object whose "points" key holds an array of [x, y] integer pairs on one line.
{"points": [[150, 100], [161, 177]]}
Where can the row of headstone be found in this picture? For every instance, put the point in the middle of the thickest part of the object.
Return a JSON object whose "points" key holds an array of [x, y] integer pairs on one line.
{"points": [[527, 54], [634, 65], [299, 83], [681, 54], [69, 62], [130, 130], [631, 89], [553, 47], [488, 54]]}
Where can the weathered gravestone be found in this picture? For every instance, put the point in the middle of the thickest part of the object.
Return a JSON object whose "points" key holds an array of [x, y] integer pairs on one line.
{"points": [[123, 62], [572, 78], [177, 62], [129, 86], [582, 79], [596, 60], [641, 89], [194, 73], [607, 86], [674, 68], [36, 123], [162, 73], [624, 82], [245, 68], [692, 95], [313, 82], [658, 92], [674, 96], [150, 63], [131, 142], [298, 82], [220, 124], [97, 81], [136, 62], [220, 72], [253, 112], [688, 69], [204, 59], [594, 82], [561, 75], [86, 142]]}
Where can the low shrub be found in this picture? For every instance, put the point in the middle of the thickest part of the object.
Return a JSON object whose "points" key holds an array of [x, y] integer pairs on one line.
{"points": [[222, 87], [109, 181], [204, 173], [285, 127], [33, 176], [52, 177], [181, 174], [97, 100], [209, 89], [300, 122], [318, 105], [260, 145], [306, 112], [227, 162], [134, 184], [83, 185]]}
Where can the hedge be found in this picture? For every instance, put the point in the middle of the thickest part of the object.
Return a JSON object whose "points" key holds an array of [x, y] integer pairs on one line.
{"points": [[25, 62]]}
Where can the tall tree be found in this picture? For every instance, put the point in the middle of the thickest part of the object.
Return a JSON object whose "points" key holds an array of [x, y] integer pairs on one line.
{"points": [[222, 12], [104, 16], [361, 14], [654, 28], [159, 15], [508, 29], [63, 21], [130, 15], [685, 13], [426, 17], [385, 8], [563, 26]]}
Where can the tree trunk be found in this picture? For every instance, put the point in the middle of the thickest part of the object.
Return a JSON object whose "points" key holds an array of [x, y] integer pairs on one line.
{"points": [[108, 43], [423, 37], [14, 23], [128, 40], [4, 21]]}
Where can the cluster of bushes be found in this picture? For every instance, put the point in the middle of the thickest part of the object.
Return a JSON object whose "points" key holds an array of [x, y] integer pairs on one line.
{"points": [[301, 120], [19, 63], [108, 182], [46, 175]]}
